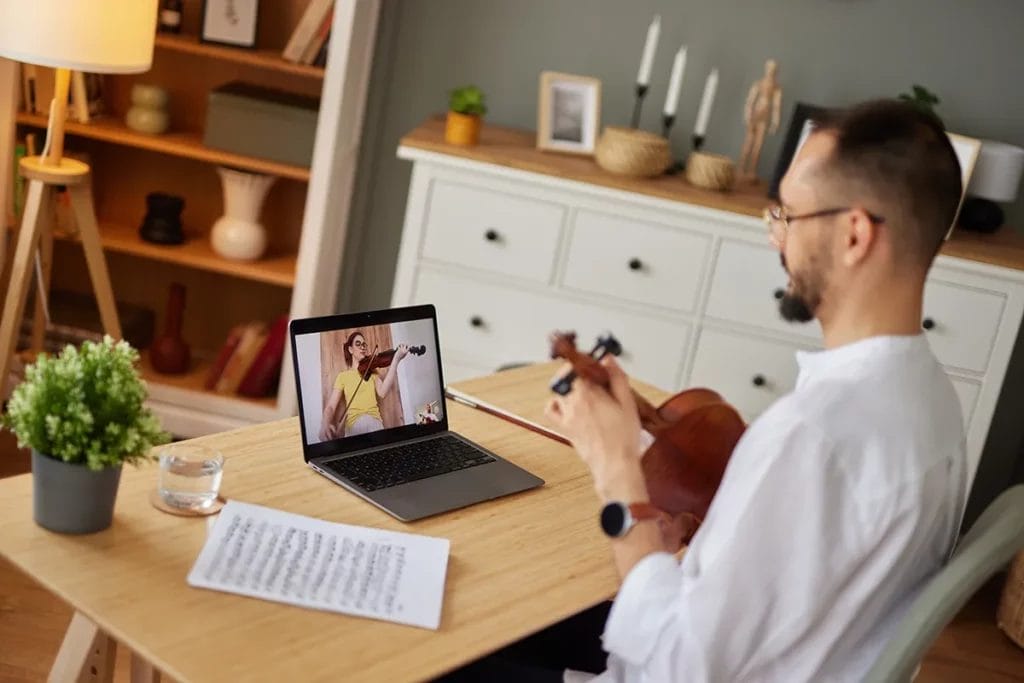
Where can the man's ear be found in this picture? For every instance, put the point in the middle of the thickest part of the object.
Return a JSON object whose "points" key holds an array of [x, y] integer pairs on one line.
{"points": [[859, 235]]}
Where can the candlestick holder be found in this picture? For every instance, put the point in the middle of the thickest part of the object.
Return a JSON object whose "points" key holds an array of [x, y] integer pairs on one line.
{"points": [[666, 124], [641, 90]]}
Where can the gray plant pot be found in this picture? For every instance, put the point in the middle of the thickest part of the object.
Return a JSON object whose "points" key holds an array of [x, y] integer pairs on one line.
{"points": [[72, 499]]}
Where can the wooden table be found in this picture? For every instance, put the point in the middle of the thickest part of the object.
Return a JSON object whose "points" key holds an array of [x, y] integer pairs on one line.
{"points": [[517, 564]]}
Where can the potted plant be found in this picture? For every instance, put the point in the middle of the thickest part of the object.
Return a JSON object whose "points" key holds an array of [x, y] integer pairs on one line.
{"points": [[465, 109], [82, 414]]}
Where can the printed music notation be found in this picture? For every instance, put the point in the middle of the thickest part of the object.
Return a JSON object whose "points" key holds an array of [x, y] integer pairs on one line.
{"points": [[284, 557]]}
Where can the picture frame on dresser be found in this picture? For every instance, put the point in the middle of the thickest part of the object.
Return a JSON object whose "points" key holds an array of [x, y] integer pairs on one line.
{"points": [[230, 22], [568, 113], [800, 124], [967, 150]]}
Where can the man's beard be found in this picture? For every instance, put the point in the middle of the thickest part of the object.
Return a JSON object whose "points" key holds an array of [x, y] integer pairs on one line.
{"points": [[801, 303]]}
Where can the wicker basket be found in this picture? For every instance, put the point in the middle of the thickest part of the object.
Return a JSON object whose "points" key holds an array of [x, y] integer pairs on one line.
{"points": [[1010, 616], [710, 171], [632, 152]]}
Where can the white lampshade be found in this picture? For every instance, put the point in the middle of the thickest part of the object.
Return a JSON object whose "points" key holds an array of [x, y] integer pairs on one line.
{"points": [[96, 36], [997, 172]]}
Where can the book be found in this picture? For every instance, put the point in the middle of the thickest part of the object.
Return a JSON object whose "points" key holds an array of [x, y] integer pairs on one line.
{"points": [[318, 40], [248, 346], [226, 349], [266, 367], [308, 25]]}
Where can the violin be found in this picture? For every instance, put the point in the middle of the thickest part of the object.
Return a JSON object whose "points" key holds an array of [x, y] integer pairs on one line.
{"points": [[694, 432], [384, 359]]}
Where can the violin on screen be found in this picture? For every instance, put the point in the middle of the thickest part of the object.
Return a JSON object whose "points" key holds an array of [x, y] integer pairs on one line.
{"points": [[694, 433], [384, 359]]}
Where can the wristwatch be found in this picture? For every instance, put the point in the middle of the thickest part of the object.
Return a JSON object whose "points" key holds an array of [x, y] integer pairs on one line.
{"points": [[618, 518]]}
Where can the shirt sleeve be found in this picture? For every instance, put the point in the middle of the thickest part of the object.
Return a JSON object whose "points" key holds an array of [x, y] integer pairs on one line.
{"points": [[708, 617]]}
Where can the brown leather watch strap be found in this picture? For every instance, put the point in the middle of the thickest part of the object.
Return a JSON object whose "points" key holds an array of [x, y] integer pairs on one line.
{"points": [[644, 511]]}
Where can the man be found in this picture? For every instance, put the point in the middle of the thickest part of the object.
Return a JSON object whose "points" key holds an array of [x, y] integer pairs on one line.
{"points": [[844, 496]]}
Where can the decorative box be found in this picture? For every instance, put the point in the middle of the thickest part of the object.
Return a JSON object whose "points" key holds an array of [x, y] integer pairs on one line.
{"points": [[261, 122]]}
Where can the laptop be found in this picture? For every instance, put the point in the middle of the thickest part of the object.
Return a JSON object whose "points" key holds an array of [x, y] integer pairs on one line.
{"points": [[374, 419]]}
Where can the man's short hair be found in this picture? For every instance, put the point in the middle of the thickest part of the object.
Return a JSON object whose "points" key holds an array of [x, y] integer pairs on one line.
{"points": [[892, 153]]}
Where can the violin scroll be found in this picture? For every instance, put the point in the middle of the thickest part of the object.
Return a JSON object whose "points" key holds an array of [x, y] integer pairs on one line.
{"points": [[563, 345]]}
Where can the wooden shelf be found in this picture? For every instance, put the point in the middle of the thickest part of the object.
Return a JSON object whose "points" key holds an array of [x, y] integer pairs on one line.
{"points": [[188, 145], [195, 253], [263, 59], [193, 381]]}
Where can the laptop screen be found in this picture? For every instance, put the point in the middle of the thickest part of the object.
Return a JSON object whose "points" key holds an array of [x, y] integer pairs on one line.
{"points": [[364, 382]]}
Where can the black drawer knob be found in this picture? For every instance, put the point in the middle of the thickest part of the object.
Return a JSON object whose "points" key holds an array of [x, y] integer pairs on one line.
{"points": [[758, 380], [476, 321], [779, 293], [928, 323], [491, 235], [635, 264]]}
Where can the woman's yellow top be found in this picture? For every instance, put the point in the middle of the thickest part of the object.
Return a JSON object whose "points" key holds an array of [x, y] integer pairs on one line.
{"points": [[365, 402]]}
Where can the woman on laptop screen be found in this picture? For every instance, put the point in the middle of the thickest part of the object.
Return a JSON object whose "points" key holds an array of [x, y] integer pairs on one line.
{"points": [[359, 393]]}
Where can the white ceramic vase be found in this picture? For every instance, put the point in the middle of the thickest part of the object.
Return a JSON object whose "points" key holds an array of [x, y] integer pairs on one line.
{"points": [[238, 234]]}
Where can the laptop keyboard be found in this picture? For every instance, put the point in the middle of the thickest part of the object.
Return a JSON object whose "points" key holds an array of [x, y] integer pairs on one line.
{"points": [[407, 462]]}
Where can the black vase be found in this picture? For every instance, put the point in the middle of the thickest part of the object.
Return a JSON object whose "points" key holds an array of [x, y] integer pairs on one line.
{"points": [[162, 223]]}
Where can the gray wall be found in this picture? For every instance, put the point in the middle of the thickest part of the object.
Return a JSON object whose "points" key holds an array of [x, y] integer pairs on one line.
{"points": [[830, 52]]}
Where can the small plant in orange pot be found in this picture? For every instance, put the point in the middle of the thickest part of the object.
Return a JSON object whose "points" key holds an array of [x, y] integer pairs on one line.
{"points": [[465, 115]]}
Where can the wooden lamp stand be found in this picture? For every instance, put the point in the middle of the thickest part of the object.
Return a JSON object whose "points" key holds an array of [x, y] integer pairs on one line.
{"points": [[44, 173]]}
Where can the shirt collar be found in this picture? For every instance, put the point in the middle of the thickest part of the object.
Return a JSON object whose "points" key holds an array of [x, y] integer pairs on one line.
{"points": [[813, 363]]}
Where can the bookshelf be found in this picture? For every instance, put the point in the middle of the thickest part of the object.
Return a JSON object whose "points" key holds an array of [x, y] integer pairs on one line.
{"points": [[304, 212]]}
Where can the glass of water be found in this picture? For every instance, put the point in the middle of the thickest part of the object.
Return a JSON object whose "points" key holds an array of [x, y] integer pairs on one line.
{"points": [[190, 476]]}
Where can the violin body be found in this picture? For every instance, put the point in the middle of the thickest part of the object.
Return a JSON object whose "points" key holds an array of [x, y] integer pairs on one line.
{"points": [[695, 432], [384, 359]]}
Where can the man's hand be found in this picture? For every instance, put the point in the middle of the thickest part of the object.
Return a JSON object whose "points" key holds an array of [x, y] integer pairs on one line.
{"points": [[604, 427]]}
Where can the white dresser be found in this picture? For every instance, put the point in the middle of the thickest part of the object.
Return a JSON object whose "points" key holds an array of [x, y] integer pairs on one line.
{"points": [[510, 244]]}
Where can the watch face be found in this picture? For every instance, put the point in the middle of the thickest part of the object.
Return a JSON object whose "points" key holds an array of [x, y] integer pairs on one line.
{"points": [[613, 518]]}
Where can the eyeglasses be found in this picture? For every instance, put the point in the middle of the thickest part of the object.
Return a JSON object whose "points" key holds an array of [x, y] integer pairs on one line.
{"points": [[360, 344], [778, 219]]}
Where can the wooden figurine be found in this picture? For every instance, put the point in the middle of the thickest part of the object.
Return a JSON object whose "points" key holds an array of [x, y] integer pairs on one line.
{"points": [[761, 115]]}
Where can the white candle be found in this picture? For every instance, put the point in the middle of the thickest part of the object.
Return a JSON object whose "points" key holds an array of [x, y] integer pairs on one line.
{"points": [[674, 82], [705, 103], [643, 76]]}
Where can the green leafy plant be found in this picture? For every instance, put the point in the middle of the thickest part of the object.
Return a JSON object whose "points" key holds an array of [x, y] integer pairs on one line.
{"points": [[922, 98], [468, 99], [85, 406]]}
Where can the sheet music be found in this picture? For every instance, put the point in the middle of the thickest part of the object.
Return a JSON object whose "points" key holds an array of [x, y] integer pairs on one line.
{"points": [[274, 555]]}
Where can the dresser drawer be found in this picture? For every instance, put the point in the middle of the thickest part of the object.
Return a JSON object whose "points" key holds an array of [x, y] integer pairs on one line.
{"points": [[480, 228], [748, 372], [637, 262], [745, 285], [962, 323], [500, 325]]}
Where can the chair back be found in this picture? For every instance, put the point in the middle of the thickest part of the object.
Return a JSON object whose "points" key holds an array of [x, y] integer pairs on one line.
{"points": [[993, 540]]}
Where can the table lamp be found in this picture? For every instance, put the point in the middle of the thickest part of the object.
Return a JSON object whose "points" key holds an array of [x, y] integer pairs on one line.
{"points": [[96, 36], [996, 178]]}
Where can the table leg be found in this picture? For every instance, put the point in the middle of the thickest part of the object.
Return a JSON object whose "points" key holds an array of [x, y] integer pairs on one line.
{"points": [[85, 656]]}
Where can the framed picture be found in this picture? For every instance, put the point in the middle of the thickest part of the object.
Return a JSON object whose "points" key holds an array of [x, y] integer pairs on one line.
{"points": [[229, 22], [800, 125], [967, 150], [568, 112]]}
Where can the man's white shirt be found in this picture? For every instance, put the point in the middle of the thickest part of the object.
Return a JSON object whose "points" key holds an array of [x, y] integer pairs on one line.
{"points": [[839, 501]]}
